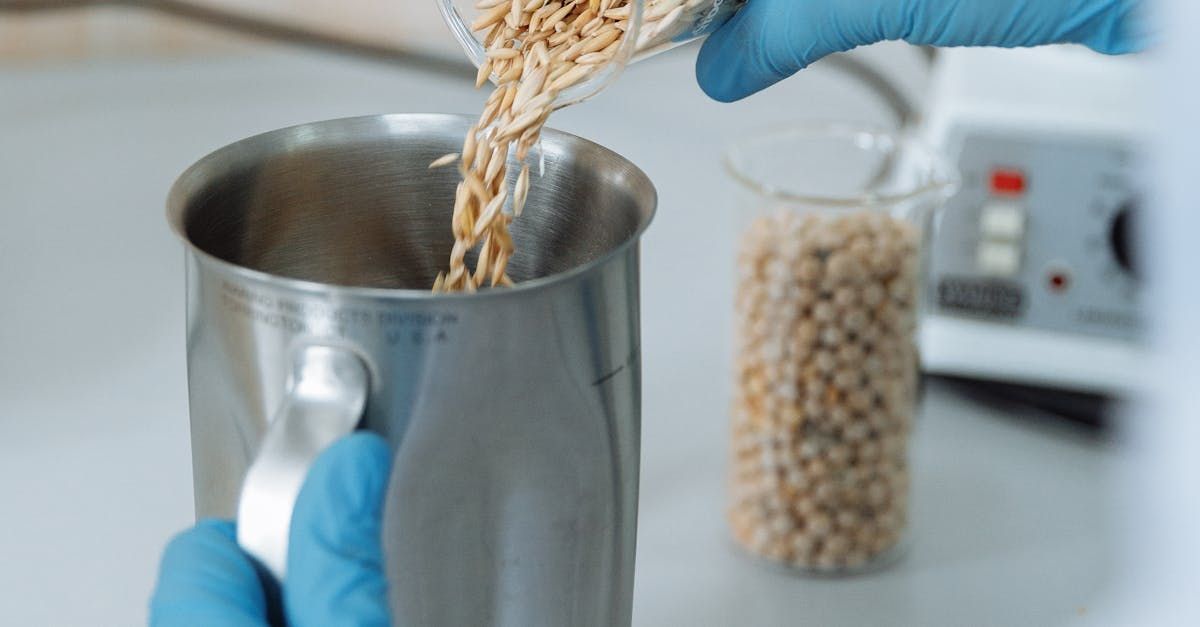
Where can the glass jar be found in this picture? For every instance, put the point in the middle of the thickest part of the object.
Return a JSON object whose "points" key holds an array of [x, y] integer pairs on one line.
{"points": [[826, 366], [653, 26]]}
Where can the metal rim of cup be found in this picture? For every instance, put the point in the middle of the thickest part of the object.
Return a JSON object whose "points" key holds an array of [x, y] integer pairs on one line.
{"points": [[177, 203]]}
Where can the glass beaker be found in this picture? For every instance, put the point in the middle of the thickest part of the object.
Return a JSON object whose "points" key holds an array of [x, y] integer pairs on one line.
{"points": [[650, 27], [826, 366]]}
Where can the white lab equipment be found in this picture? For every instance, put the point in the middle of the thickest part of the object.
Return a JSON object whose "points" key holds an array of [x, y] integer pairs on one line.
{"points": [[1033, 276]]}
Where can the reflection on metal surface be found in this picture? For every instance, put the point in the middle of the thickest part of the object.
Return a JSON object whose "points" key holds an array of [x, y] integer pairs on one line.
{"points": [[323, 403]]}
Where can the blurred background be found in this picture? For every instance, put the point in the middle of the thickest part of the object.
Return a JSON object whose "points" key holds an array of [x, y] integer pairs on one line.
{"points": [[53, 30], [103, 104]]}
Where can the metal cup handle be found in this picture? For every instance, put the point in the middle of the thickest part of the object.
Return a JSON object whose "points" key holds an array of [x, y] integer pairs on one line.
{"points": [[327, 390]]}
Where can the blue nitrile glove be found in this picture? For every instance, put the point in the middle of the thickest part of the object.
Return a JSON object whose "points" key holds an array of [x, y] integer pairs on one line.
{"points": [[769, 40], [335, 561]]}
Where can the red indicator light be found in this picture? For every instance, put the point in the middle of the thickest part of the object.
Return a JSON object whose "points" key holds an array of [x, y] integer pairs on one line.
{"points": [[1059, 281], [1008, 182]]}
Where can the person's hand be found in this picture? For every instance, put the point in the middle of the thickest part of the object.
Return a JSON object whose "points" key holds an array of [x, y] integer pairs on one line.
{"points": [[769, 40], [335, 562]]}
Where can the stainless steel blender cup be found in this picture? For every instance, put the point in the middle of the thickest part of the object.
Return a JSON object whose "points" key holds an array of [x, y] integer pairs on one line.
{"points": [[514, 413]]}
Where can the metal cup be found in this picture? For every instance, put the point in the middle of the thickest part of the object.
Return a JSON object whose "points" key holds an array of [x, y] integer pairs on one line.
{"points": [[514, 414]]}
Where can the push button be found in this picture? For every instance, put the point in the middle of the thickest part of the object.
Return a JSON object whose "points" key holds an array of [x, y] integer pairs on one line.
{"points": [[999, 258], [1002, 222]]}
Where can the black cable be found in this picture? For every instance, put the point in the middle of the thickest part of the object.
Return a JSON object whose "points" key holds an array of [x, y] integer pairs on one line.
{"points": [[907, 112]]}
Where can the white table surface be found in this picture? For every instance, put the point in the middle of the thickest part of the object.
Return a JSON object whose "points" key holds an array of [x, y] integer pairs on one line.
{"points": [[1011, 518]]}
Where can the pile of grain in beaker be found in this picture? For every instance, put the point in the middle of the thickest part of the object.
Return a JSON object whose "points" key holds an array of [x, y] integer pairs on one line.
{"points": [[826, 378]]}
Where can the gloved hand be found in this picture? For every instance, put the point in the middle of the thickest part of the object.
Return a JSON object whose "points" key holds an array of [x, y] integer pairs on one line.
{"points": [[769, 40], [335, 562]]}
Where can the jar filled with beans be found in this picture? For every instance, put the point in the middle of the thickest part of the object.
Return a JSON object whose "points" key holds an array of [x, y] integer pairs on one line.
{"points": [[826, 366]]}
